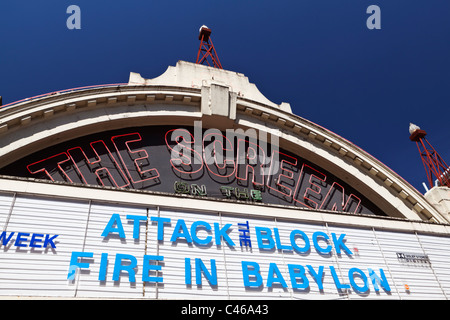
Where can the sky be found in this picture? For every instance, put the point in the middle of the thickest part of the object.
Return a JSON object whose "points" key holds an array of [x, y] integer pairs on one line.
{"points": [[365, 85]]}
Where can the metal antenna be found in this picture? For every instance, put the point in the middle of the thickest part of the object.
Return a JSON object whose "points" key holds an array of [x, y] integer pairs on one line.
{"points": [[206, 52], [435, 166]]}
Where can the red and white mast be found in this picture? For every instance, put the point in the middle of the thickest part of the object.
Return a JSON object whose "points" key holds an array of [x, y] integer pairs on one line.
{"points": [[206, 52], [435, 166]]}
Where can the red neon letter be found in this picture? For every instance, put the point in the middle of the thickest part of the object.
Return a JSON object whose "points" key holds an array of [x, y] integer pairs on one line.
{"points": [[309, 185], [283, 173], [139, 157], [51, 167], [101, 166], [248, 158], [335, 200]]}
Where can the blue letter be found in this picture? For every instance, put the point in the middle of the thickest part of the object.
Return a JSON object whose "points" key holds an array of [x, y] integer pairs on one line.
{"points": [[136, 224], [267, 236], [376, 279], [160, 222], [194, 226], [219, 233], [128, 268], [338, 284], [34, 240], [338, 243], [246, 273], [48, 240], [318, 276], [351, 276], [273, 268], [185, 234], [187, 271], [277, 239], [115, 218], [103, 266], [19, 239], [4, 239], [151, 267], [318, 234], [294, 274], [74, 264], [305, 238], [211, 277]]}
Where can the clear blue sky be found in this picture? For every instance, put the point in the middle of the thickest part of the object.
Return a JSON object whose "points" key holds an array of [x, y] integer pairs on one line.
{"points": [[318, 55]]}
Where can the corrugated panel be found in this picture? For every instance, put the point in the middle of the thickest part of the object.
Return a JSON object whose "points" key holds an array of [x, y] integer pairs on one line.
{"points": [[174, 253], [88, 284], [38, 271], [235, 255], [5, 207], [151, 288], [418, 277], [43, 272], [366, 254], [438, 250], [313, 258]]}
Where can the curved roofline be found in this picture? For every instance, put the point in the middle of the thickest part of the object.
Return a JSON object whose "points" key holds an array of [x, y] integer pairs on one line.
{"points": [[30, 125], [44, 95]]}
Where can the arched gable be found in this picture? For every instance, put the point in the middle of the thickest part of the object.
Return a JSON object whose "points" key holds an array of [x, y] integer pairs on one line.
{"points": [[221, 100]]}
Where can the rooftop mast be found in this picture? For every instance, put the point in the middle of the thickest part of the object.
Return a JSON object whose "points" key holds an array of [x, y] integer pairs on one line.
{"points": [[206, 52], [435, 166]]}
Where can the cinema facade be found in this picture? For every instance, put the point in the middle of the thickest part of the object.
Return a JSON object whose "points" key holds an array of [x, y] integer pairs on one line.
{"points": [[193, 185]]}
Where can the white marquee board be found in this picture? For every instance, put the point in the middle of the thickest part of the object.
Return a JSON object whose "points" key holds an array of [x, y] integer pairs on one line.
{"points": [[180, 265]]}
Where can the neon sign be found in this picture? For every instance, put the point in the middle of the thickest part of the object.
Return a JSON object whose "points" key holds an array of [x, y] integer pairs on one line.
{"points": [[174, 160]]}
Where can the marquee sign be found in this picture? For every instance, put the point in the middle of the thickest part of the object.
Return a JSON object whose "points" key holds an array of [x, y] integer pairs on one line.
{"points": [[203, 234], [211, 164], [68, 247]]}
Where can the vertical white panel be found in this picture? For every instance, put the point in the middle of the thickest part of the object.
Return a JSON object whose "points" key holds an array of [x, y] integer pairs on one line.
{"points": [[151, 246], [236, 254], [6, 200], [418, 277], [365, 255], [175, 252], [312, 257], [88, 284], [437, 248], [42, 271]]}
